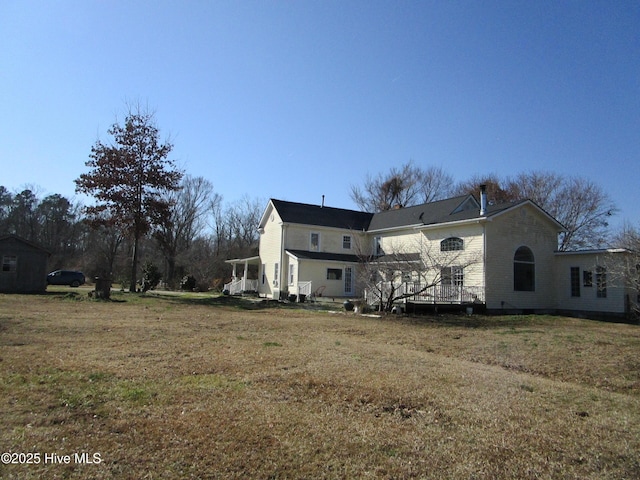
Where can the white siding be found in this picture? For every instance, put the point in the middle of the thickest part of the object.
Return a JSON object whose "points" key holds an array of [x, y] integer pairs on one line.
{"points": [[270, 252], [588, 301], [524, 226]]}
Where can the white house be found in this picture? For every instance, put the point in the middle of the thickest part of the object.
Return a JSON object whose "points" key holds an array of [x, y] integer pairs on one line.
{"points": [[454, 251]]}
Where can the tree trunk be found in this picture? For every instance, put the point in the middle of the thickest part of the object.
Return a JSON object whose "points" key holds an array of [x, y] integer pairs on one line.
{"points": [[134, 266]]}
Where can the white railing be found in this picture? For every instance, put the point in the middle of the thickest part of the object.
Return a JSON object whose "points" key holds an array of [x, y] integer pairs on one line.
{"points": [[413, 292], [304, 288], [237, 287]]}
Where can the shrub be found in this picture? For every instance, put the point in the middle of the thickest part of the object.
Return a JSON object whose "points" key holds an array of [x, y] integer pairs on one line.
{"points": [[150, 276]]}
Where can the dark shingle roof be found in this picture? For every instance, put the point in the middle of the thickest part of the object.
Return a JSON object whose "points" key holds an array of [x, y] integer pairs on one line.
{"points": [[426, 214], [292, 212], [454, 209], [337, 257]]}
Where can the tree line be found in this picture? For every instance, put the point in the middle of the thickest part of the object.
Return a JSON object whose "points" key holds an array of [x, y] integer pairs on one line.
{"points": [[202, 233]]}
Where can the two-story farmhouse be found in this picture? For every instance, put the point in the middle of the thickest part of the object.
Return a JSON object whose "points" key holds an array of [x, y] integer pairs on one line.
{"points": [[453, 251]]}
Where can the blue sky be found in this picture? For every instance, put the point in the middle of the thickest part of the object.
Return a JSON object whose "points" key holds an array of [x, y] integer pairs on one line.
{"points": [[299, 99]]}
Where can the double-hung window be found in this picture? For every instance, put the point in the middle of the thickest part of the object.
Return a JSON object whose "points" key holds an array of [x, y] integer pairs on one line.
{"points": [[575, 281]]}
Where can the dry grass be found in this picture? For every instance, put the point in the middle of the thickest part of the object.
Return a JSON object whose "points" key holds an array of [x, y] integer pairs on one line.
{"points": [[201, 388]]}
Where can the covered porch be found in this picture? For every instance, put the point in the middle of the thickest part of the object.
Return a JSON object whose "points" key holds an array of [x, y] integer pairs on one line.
{"points": [[240, 281]]}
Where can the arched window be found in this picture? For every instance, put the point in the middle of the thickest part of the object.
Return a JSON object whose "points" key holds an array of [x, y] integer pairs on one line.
{"points": [[451, 243], [524, 270]]}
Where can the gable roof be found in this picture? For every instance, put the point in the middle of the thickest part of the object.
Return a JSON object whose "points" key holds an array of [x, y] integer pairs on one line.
{"points": [[13, 236], [441, 211], [449, 210], [306, 214], [455, 209]]}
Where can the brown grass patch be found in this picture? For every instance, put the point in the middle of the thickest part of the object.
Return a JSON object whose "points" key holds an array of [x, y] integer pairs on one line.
{"points": [[203, 388]]}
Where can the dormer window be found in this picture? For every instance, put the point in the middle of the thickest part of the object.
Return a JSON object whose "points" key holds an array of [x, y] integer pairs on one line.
{"points": [[452, 243]]}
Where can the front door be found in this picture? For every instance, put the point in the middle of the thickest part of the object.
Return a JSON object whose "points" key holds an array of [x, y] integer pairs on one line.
{"points": [[348, 281]]}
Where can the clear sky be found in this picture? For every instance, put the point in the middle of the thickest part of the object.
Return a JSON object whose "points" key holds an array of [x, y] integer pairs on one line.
{"points": [[299, 99]]}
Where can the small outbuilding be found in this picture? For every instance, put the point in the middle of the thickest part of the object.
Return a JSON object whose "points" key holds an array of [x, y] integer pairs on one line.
{"points": [[24, 265]]}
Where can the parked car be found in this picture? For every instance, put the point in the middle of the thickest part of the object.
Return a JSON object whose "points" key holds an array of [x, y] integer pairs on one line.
{"points": [[66, 277]]}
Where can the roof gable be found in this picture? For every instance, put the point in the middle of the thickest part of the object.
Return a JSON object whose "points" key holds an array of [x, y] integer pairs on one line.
{"points": [[456, 209], [11, 237], [306, 214]]}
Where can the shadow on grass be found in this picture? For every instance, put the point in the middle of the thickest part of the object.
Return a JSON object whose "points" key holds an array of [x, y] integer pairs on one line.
{"points": [[481, 320], [243, 303]]}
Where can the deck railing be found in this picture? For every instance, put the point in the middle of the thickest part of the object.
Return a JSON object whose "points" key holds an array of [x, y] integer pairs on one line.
{"points": [[237, 287], [437, 294], [304, 288]]}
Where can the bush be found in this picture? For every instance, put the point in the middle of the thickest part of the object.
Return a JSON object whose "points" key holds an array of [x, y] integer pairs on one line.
{"points": [[150, 277], [188, 283]]}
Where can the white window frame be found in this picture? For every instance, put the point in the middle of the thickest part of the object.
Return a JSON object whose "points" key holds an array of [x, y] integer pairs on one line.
{"points": [[346, 242], [291, 273]]}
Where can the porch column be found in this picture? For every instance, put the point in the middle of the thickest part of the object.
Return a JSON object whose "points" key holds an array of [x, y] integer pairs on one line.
{"points": [[244, 275], [233, 275]]}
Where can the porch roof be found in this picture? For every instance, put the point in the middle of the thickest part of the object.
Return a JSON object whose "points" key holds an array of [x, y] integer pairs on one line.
{"points": [[249, 261], [325, 256]]}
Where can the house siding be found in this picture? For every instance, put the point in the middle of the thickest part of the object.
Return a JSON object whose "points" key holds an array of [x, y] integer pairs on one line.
{"points": [[298, 237], [30, 275], [427, 242], [472, 257], [507, 232], [270, 253], [618, 293]]}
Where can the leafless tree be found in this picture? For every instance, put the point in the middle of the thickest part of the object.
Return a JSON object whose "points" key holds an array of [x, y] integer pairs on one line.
{"points": [[495, 188], [628, 238], [401, 187], [579, 204], [242, 218], [190, 208], [417, 270]]}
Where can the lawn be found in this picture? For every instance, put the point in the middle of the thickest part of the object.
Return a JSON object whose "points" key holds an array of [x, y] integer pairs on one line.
{"points": [[202, 387]]}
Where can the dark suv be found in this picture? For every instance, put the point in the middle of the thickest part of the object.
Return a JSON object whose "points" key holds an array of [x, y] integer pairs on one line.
{"points": [[65, 277]]}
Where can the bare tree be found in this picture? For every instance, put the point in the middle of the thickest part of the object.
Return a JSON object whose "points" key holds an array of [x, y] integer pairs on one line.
{"points": [[579, 204], [401, 187], [628, 238], [190, 207], [495, 188], [419, 270], [242, 219]]}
